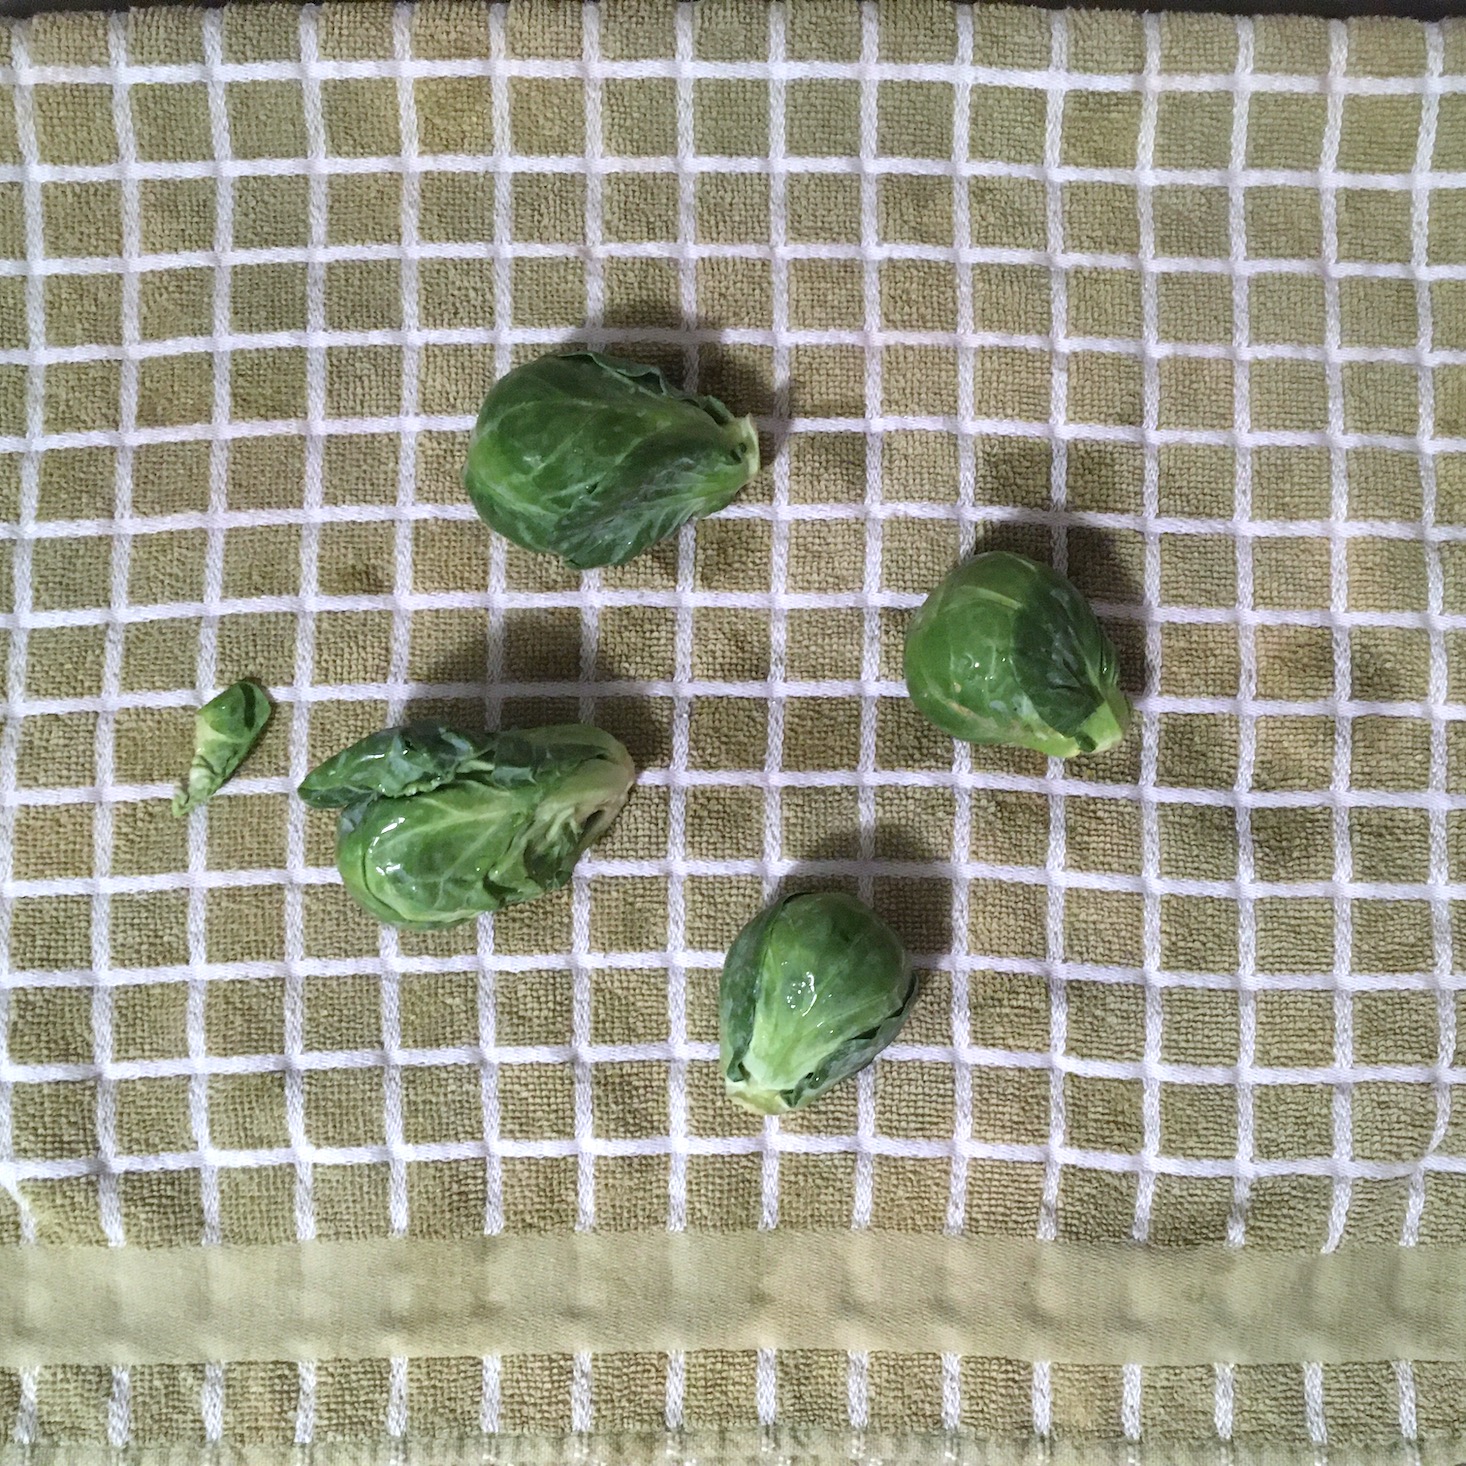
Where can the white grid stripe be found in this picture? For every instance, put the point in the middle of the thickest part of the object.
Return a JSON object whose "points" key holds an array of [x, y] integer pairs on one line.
{"points": [[961, 1011], [487, 991], [687, 600], [1339, 601], [1048, 1220], [17, 662], [1150, 737], [1246, 680], [858, 1361], [1440, 912], [312, 497]]}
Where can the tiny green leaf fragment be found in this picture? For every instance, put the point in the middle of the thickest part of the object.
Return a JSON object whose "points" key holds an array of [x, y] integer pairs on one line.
{"points": [[224, 731]]}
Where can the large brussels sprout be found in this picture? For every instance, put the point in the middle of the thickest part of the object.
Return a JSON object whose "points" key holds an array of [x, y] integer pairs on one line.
{"points": [[1006, 650], [593, 458], [438, 825], [813, 989], [224, 731]]}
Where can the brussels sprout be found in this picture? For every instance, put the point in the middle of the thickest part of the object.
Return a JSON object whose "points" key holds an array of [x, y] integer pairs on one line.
{"points": [[224, 731], [593, 458], [438, 825], [813, 989], [1005, 650]]}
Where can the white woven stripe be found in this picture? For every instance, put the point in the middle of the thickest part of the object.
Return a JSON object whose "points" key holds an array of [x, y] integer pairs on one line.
{"points": [[1150, 731], [961, 1013], [17, 660], [1440, 912], [1246, 686], [966, 862], [1343, 660]]}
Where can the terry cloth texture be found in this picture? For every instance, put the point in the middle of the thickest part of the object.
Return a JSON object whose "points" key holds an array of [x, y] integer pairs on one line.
{"points": [[1177, 302]]}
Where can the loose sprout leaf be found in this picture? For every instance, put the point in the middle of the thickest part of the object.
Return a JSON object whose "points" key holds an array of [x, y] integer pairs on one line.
{"points": [[1006, 650], [814, 987], [438, 825], [224, 731], [594, 459]]}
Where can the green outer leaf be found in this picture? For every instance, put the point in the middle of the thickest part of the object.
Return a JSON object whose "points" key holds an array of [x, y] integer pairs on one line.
{"points": [[1006, 650], [395, 761], [813, 988], [225, 729], [438, 825], [594, 458]]}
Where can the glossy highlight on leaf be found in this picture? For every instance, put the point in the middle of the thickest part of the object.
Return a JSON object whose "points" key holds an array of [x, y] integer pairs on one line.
{"points": [[1006, 650], [438, 825], [224, 731], [594, 459], [813, 988]]}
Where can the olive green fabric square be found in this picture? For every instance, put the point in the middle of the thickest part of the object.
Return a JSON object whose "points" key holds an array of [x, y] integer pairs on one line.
{"points": [[1291, 43], [1100, 129], [54, 1121], [1007, 124], [916, 296], [1006, 213], [1199, 660], [1380, 397], [1195, 479], [1294, 661], [1293, 1121], [1377, 312], [1101, 217], [1198, 1120], [1392, 936], [73, 124], [83, 310], [1374, 225], [1198, 570], [1011, 298], [81, 397], [1009, 382], [1193, 129], [1105, 1020], [919, 379], [1386, 753], [51, 1026], [1389, 664], [730, 30], [1395, 1027], [1291, 483], [1379, 134], [915, 209], [1194, 307], [1191, 221], [1289, 396], [1196, 392], [546, 116], [1384, 484], [1286, 308], [65, 661], [1387, 575], [730, 118], [1285, 130], [1197, 750], [1283, 223], [733, 208], [1104, 303]]}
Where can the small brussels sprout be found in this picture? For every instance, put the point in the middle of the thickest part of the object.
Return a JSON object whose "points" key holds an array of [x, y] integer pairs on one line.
{"points": [[224, 731], [1006, 650], [438, 825], [813, 989], [593, 458]]}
